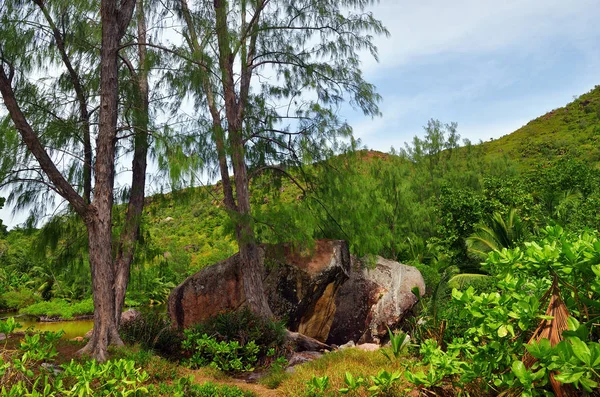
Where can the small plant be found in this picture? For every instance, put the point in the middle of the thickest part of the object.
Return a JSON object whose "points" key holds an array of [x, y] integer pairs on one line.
{"points": [[225, 356], [384, 382], [317, 386], [7, 327], [352, 383], [120, 377], [398, 342], [40, 347]]}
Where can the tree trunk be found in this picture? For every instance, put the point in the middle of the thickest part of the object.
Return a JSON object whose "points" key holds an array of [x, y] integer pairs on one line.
{"points": [[105, 327], [99, 223], [131, 229], [96, 215], [252, 267]]}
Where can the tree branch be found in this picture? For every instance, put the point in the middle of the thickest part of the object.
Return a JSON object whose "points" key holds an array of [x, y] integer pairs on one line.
{"points": [[125, 14], [33, 144], [81, 98]]}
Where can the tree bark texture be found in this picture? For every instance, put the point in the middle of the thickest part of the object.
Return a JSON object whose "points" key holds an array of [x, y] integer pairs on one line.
{"points": [[234, 111], [114, 22], [135, 207]]}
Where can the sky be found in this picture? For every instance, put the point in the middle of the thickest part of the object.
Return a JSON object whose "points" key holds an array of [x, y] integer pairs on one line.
{"points": [[490, 66]]}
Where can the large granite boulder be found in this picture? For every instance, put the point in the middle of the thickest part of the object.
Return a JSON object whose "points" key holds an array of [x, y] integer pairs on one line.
{"points": [[301, 287], [372, 300]]}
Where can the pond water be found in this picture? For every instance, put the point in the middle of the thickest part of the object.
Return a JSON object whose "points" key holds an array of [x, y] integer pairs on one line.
{"points": [[72, 329]]}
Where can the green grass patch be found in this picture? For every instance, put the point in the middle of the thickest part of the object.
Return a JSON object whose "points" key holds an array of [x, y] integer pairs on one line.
{"points": [[335, 365], [60, 308]]}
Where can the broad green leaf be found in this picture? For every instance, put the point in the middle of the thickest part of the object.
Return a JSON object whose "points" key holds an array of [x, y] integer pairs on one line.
{"points": [[580, 350], [518, 368], [502, 331], [568, 377]]}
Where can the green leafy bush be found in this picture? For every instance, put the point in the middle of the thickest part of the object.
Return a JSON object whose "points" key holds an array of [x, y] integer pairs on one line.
{"points": [[119, 378], [153, 331], [431, 276], [499, 323], [18, 299], [225, 356], [244, 326], [40, 347], [22, 375]]}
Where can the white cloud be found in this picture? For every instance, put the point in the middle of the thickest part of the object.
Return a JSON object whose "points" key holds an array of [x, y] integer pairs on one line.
{"points": [[426, 28]]}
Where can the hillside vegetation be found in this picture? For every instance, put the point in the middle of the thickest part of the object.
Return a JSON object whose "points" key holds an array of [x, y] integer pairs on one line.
{"points": [[417, 206], [572, 130]]}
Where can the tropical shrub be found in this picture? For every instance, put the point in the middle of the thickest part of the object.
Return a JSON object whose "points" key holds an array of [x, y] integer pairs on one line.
{"points": [[60, 308], [495, 350], [17, 299], [152, 331], [244, 326], [225, 356]]}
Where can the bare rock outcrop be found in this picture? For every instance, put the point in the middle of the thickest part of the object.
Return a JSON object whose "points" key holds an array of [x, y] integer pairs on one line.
{"points": [[300, 286], [374, 299], [322, 293]]}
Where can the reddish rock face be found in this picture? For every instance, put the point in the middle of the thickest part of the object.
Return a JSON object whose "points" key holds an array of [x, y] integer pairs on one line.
{"points": [[213, 290], [372, 300], [309, 290], [300, 286]]}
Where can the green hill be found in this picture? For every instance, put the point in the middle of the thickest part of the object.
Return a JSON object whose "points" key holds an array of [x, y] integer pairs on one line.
{"points": [[572, 130]]}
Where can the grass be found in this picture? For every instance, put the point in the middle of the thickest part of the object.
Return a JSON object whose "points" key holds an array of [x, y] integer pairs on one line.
{"points": [[336, 364], [275, 376], [60, 308]]}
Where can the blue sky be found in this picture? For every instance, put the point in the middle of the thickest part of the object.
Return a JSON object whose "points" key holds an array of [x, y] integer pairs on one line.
{"points": [[490, 66]]}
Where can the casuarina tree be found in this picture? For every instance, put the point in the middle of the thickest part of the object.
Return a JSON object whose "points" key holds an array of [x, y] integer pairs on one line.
{"points": [[61, 134], [269, 79]]}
